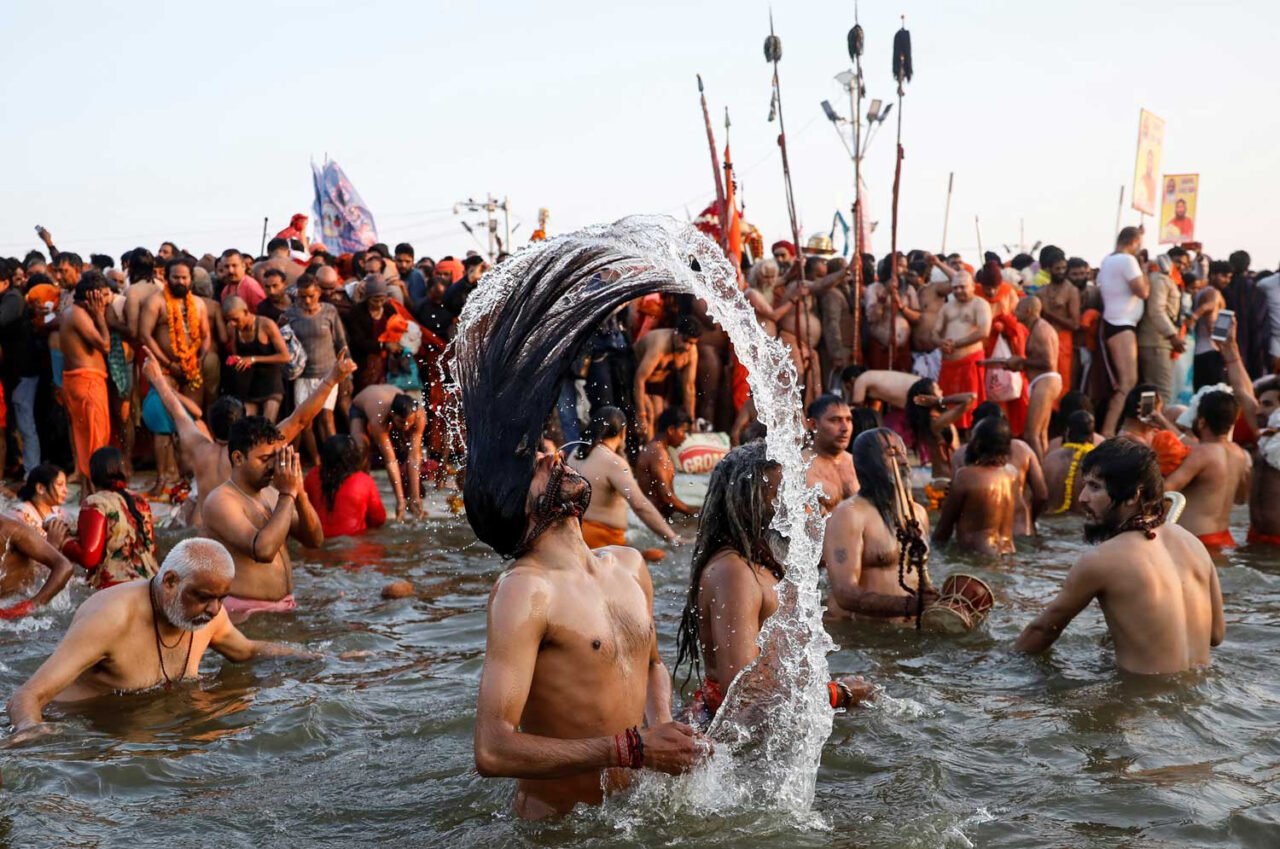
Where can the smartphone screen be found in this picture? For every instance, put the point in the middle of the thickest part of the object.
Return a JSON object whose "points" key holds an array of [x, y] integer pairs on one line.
{"points": [[1222, 325], [1146, 404]]}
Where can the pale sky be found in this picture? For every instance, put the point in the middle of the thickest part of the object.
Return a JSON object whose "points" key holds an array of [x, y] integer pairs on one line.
{"points": [[130, 123]]}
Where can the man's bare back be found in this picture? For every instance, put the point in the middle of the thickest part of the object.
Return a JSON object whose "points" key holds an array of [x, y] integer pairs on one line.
{"points": [[1160, 597], [1214, 477], [980, 508]]}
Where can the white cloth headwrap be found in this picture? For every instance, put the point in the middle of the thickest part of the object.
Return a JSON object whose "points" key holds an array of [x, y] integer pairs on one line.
{"points": [[1188, 418]]}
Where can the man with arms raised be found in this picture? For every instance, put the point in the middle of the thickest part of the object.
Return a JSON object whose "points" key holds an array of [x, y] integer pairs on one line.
{"points": [[142, 634], [962, 326], [85, 342], [385, 418], [1215, 475], [25, 549], [613, 486], [1124, 287], [1155, 583], [206, 454], [830, 465], [655, 472], [255, 512], [667, 367], [980, 504], [861, 545]]}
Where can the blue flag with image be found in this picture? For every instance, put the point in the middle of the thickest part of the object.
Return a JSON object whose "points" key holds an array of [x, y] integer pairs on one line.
{"points": [[343, 222]]}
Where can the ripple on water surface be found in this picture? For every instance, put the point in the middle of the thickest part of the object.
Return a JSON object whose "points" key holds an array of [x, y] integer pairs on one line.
{"points": [[973, 746]]}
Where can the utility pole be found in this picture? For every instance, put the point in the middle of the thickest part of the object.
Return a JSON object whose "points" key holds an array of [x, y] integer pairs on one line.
{"points": [[490, 206]]}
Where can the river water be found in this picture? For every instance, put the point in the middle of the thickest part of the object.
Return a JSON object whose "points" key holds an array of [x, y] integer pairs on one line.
{"points": [[972, 745]]}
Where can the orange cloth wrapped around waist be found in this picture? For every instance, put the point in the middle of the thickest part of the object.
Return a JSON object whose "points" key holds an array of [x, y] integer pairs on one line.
{"points": [[741, 389], [962, 375], [1170, 451], [1089, 320], [85, 391], [1221, 539], [1259, 538], [598, 534], [1066, 359]]}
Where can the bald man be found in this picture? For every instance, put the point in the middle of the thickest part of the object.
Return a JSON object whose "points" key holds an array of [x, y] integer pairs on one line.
{"points": [[141, 634]]}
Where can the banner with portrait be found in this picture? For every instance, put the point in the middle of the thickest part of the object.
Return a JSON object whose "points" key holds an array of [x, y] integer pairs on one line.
{"points": [[1178, 209], [1146, 171]]}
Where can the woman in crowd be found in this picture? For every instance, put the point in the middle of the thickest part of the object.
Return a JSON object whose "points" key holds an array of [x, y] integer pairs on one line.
{"points": [[344, 495], [258, 359], [115, 538], [40, 502]]}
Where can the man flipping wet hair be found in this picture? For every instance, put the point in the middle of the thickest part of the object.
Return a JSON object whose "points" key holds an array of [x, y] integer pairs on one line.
{"points": [[1155, 583], [573, 692]]}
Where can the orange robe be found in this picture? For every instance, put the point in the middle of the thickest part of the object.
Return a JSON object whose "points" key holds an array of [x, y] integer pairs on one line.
{"points": [[85, 391]]}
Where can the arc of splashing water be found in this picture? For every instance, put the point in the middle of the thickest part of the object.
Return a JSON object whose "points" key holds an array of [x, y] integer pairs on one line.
{"points": [[775, 718]]}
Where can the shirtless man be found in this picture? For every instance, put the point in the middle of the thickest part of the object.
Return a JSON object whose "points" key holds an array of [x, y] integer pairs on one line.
{"points": [[1040, 365], [138, 635], [254, 513], [801, 329], [873, 387], [655, 473], [613, 486], [983, 496], [1208, 367], [1032, 490], [86, 339], [142, 285], [830, 464], [667, 361], [733, 591], [962, 326], [1060, 306], [1062, 465], [573, 693], [382, 416], [935, 287], [194, 340], [1215, 475], [891, 314], [1156, 584], [25, 549], [206, 454], [861, 546]]}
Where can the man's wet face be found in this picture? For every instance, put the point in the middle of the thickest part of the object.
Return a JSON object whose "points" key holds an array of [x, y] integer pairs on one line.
{"points": [[195, 602], [675, 436], [832, 430], [1101, 514], [260, 465]]}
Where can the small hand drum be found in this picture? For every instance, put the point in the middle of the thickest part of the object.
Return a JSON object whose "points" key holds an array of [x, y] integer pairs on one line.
{"points": [[962, 605]]}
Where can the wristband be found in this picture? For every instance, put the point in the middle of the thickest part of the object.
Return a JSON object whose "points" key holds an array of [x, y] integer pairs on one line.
{"points": [[833, 692]]}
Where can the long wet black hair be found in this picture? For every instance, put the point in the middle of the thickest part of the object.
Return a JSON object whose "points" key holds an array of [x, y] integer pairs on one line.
{"points": [[735, 515], [606, 423], [516, 341], [920, 419], [340, 458], [875, 475], [106, 470]]}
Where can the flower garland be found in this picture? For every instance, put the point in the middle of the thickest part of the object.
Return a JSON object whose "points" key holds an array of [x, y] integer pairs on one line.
{"points": [[1069, 487], [184, 336]]}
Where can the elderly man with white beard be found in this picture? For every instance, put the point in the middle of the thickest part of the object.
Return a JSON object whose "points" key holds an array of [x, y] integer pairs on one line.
{"points": [[143, 634]]}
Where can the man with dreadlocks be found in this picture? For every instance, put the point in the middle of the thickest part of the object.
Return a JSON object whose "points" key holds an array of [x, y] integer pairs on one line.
{"points": [[1155, 583], [574, 693], [733, 581], [980, 504], [862, 548]]}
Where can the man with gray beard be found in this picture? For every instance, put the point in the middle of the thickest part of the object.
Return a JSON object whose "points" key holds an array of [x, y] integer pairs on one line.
{"points": [[143, 634]]}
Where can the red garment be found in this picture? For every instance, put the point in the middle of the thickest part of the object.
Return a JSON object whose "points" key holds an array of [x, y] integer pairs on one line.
{"points": [[90, 541], [1221, 539], [1259, 538], [963, 375], [1015, 336], [741, 389], [1170, 451], [707, 699], [356, 507]]}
